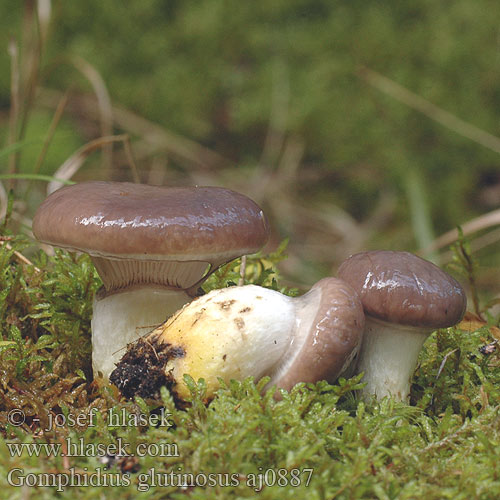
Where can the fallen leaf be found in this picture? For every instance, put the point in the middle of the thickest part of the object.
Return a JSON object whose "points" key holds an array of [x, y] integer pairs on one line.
{"points": [[471, 323]]}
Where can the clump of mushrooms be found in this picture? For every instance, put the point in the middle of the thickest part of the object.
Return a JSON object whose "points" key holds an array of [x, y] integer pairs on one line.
{"points": [[152, 246], [405, 298], [243, 331]]}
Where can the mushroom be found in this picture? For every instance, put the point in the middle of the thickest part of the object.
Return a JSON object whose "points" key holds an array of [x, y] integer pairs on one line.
{"points": [[405, 298], [152, 246], [243, 331]]}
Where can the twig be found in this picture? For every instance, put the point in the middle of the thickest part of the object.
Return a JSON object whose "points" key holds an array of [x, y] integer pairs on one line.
{"points": [[478, 243], [430, 110], [482, 222], [243, 267], [441, 366], [191, 153], [75, 161], [150, 328], [19, 256], [468, 265], [152, 347]]}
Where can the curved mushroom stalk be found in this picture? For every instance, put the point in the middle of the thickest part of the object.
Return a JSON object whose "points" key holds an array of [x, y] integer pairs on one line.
{"points": [[388, 357], [326, 337], [246, 331]]}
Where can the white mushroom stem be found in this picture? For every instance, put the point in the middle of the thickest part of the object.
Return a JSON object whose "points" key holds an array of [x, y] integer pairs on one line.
{"points": [[122, 317], [388, 358]]}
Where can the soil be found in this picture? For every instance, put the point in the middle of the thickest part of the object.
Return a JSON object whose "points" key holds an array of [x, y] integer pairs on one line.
{"points": [[141, 371]]}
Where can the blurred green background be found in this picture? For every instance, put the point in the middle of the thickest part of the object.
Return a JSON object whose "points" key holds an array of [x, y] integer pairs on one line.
{"points": [[355, 124]]}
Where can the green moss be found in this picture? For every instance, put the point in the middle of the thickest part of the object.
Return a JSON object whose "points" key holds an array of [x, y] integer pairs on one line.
{"points": [[316, 442]]}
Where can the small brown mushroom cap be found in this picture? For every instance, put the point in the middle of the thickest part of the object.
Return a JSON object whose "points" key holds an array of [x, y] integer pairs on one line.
{"points": [[330, 320], [401, 288], [120, 223]]}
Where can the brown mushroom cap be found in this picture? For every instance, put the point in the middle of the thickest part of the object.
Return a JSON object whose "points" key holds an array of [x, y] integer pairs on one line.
{"points": [[330, 319], [121, 220], [401, 288], [129, 222]]}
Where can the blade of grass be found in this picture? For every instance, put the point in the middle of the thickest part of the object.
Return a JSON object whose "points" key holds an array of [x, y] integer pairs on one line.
{"points": [[130, 157], [50, 134], [104, 106], [11, 148], [419, 211], [36, 177], [48, 139], [14, 107], [9, 205], [275, 136], [44, 11], [32, 54]]}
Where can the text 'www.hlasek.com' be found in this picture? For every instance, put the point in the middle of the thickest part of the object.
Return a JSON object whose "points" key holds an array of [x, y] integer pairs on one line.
{"points": [[116, 462]]}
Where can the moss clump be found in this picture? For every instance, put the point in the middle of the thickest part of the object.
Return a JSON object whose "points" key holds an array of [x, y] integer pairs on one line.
{"points": [[317, 442]]}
